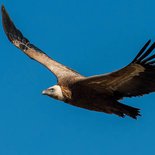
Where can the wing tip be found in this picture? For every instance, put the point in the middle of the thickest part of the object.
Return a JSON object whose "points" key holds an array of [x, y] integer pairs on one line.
{"points": [[10, 29], [149, 41], [3, 8], [7, 23], [144, 52], [5, 15]]}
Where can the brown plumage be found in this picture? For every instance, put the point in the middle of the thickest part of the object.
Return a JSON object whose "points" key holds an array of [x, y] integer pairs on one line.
{"points": [[99, 93]]}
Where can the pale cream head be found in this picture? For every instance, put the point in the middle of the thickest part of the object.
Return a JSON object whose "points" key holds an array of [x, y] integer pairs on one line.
{"points": [[54, 92]]}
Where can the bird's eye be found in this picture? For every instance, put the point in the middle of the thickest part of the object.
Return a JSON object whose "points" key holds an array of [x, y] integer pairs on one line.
{"points": [[52, 89]]}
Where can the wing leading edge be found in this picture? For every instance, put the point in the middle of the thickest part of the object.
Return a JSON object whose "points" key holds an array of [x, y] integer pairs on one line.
{"points": [[17, 38]]}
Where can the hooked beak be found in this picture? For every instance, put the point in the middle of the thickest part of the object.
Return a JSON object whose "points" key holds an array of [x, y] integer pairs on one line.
{"points": [[44, 92]]}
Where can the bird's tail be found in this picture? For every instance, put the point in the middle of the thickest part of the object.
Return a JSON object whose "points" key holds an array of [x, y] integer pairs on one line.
{"points": [[122, 110]]}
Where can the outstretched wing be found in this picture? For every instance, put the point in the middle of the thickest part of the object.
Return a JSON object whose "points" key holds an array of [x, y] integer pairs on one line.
{"points": [[136, 79], [17, 38]]}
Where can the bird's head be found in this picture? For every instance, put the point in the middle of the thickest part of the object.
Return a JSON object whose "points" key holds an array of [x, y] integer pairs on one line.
{"points": [[54, 92]]}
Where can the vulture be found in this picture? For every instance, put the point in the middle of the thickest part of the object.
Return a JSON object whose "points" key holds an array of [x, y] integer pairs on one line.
{"points": [[100, 93]]}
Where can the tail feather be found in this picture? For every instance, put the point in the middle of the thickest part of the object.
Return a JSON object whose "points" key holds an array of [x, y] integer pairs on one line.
{"points": [[122, 110]]}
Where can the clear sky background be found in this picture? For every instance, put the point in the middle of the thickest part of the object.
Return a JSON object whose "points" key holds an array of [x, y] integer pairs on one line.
{"points": [[92, 37]]}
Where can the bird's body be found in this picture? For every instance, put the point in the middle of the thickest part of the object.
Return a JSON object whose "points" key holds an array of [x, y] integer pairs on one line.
{"points": [[99, 93]]}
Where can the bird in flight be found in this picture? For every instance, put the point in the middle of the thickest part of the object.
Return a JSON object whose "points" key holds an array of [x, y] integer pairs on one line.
{"points": [[100, 93]]}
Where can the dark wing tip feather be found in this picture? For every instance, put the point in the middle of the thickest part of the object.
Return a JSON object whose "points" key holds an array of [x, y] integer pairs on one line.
{"points": [[3, 8], [8, 25], [15, 35], [12, 33], [143, 57], [141, 51], [6, 21]]}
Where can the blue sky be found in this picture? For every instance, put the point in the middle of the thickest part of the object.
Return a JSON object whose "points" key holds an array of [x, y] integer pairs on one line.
{"points": [[92, 37]]}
